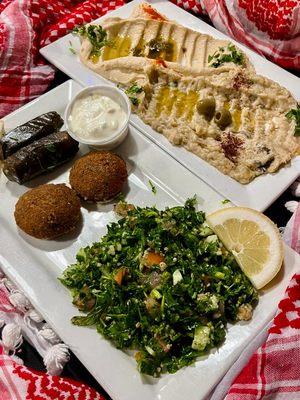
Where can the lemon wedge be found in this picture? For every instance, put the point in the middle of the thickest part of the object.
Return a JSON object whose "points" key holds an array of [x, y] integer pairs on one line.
{"points": [[253, 239]]}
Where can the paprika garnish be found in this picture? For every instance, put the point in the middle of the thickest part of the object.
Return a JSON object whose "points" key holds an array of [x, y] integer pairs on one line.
{"points": [[231, 145]]}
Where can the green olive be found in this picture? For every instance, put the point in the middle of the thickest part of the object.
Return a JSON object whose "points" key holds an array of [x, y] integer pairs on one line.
{"points": [[207, 107], [223, 118]]}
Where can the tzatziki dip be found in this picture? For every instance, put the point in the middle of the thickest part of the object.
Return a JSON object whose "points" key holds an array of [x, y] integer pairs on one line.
{"points": [[96, 117]]}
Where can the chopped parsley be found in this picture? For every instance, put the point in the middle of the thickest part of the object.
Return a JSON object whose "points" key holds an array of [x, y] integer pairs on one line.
{"points": [[160, 283], [153, 188], [222, 55], [132, 91], [96, 35], [295, 114], [158, 45], [225, 201], [134, 100], [159, 48]]}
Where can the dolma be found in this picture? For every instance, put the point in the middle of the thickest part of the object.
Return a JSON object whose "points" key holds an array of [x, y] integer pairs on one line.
{"points": [[29, 132], [41, 156]]}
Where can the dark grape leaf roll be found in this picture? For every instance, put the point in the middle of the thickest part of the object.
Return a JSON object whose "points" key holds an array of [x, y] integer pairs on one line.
{"points": [[39, 157], [29, 132]]}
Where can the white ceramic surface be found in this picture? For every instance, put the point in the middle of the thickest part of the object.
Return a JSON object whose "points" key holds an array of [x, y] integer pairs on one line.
{"points": [[35, 265], [258, 194]]}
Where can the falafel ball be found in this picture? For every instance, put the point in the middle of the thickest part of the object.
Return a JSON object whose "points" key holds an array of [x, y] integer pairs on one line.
{"points": [[48, 211], [98, 176]]}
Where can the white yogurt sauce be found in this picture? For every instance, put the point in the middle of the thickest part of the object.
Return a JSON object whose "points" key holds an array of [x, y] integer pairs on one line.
{"points": [[95, 117]]}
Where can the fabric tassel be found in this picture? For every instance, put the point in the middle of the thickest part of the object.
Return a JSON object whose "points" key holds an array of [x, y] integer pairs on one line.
{"points": [[55, 358], [47, 333], [295, 188], [12, 338], [20, 301], [291, 205]]}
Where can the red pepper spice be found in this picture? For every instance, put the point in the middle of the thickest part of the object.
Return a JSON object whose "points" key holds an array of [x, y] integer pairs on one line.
{"points": [[231, 145], [240, 80], [161, 62], [153, 14]]}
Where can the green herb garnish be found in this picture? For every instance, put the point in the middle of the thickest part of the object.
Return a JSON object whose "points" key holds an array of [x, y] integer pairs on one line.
{"points": [[153, 188], [158, 45], [160, 283], [225, 201], [295, 114], [159, 48], [134, 100], [96, 35], [221, 56], [132, 91], [71, 48]]}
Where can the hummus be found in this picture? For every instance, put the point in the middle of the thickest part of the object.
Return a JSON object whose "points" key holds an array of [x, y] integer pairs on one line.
{"points": [[133, 40], [254, 137]]}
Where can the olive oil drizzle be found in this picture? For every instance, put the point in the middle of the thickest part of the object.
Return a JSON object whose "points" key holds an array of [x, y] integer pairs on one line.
{"points": [[139, 50], [94, 58], [236, 118], [121, 48], [174, 100], [226, 106], [180, 102], [158, 49], [236, 115], [163, 101], [191, 101]]}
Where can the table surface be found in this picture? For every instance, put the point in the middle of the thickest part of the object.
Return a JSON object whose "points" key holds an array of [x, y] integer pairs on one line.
{"points": [[74, 369]]}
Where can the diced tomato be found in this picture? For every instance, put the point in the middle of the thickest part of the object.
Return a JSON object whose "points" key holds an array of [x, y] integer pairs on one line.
{"points": [[120, 275], [152, 258]]}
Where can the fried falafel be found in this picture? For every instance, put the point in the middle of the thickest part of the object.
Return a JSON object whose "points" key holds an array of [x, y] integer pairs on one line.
{"points": [[48, 211], [98, 176]]}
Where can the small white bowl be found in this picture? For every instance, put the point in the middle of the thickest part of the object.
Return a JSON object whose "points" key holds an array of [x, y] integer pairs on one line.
{"points": [[120, 134]]}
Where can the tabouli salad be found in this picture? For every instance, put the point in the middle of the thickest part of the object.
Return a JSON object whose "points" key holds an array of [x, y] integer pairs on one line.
{"points": [[162, 284]]}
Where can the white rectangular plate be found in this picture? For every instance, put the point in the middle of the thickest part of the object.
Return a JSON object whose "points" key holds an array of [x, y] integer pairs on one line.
{"points": [[35, 265], [258, 194]]}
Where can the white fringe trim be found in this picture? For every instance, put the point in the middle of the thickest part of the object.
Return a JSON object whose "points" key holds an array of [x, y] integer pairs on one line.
{"points": [[291, 205], [295, 188], [55, 358], [30, 324]]}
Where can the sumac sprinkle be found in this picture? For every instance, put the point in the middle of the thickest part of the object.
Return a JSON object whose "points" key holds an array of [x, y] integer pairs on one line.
{"points": [[241, 80], [161, 62], [231, 145]]}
